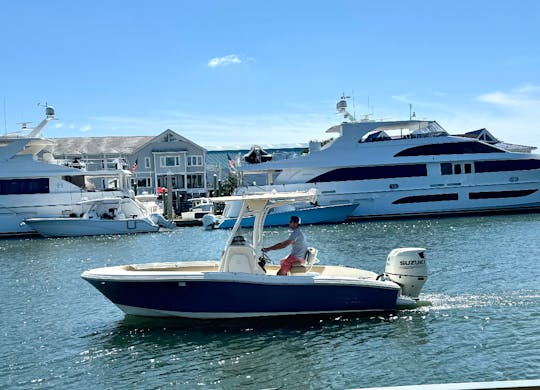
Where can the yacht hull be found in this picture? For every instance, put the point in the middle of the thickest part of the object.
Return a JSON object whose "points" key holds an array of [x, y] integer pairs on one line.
{"points": [[426, 198], [75, 227]]}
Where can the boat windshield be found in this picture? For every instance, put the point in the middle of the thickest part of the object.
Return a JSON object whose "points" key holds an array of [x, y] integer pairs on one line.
{"points": [[404, 130], [433, 129]]}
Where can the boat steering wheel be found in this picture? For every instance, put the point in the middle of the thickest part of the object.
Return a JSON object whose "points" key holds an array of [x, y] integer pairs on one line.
{"points": [[264, 258]]}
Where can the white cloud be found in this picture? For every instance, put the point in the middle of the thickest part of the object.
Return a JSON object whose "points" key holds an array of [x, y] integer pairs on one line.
{"points": [[525, 95], [86, 128], [223, 130], [224, 61]]}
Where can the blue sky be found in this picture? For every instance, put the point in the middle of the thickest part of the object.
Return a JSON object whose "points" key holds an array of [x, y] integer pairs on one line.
{"points": [[269, 72]]}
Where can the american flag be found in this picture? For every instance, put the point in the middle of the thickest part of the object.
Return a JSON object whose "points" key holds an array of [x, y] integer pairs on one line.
{"points": [[232, 164], [134, 166]]}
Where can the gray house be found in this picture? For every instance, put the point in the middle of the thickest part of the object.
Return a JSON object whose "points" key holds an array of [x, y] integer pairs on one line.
{"points": [[152, 161]]}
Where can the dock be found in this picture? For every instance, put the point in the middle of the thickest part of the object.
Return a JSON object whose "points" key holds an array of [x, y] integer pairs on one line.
{"points": [[532, 384], [187, 222]]}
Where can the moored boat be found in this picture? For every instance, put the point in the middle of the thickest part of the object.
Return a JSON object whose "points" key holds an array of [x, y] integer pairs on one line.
{"points": [[406, 168], [104, 217], [310, 215], [36, 187]]}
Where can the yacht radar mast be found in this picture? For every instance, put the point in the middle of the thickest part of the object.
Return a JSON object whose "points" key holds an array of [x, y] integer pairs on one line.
{"points": [[49, 116], [341, 107]]}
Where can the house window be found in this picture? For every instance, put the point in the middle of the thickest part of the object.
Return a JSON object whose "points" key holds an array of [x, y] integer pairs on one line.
{"points": [[142, 182], [194, 181], [147, 162], [169, 161], [194, 161]]}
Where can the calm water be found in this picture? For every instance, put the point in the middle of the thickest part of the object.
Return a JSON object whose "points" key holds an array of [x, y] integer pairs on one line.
{"points": [[482, 324]]}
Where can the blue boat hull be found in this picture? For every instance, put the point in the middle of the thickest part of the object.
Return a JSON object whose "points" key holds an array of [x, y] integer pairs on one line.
{"points": [[216, 299], [310, 215]]}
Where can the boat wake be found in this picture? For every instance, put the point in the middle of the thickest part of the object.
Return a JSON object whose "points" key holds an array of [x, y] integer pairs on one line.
{"points": [[443, 302]]}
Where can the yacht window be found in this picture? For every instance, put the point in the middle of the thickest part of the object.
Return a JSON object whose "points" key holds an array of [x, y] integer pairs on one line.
{"points": [[500, 194], [468, 168], [426, 198], [506, 165], [24, 186], [446, 169], [371, 173], [448, 148], [457, 169]]}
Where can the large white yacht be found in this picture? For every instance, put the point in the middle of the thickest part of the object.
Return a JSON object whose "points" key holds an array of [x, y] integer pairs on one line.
{"points": [[406, 168], [31, 187]]}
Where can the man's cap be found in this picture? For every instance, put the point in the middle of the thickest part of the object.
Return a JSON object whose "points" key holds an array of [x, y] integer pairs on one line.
{"points": [[295, 219]]}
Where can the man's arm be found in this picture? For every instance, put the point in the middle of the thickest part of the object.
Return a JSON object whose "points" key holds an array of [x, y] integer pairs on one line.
{"points": [[279, 245]]}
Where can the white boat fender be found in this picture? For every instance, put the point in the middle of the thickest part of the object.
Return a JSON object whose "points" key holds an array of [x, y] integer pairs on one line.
{"points": [[407, 267]]}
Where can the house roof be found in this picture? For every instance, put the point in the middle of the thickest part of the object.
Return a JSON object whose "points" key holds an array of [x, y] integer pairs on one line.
{"points": [[117, 145], [97, 145]]}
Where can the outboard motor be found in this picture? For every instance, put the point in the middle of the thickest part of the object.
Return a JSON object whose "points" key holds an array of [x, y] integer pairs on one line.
{"points": [[407, 267], [209, 221], [162, 221]]}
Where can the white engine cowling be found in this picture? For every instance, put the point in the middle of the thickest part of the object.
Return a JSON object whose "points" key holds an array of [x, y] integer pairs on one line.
{"points": [[407, 267], [209, 221]]}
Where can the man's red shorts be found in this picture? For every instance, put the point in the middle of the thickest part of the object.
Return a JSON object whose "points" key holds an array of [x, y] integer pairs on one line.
{"points": [[287, 262]]}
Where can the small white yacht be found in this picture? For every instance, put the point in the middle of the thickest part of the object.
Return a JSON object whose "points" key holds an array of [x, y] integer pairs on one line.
{"points": [[406, 168], [33, 187], [105, 216], [199, 208]]}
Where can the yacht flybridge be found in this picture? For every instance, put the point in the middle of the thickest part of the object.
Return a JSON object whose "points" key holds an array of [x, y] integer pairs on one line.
{"points": [[406, 168], [31, 187]]}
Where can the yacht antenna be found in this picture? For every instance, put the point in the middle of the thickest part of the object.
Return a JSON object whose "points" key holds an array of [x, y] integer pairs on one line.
{"points": [[369, 107], [412, 114], [5, 120], [353, 105]]}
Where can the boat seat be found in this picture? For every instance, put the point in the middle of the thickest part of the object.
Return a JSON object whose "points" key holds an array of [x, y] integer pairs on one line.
{"points": [[241, 258], [310, 259]]}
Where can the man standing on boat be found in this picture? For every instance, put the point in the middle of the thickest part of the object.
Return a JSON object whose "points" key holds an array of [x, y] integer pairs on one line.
{"points": [[299, 247]]}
